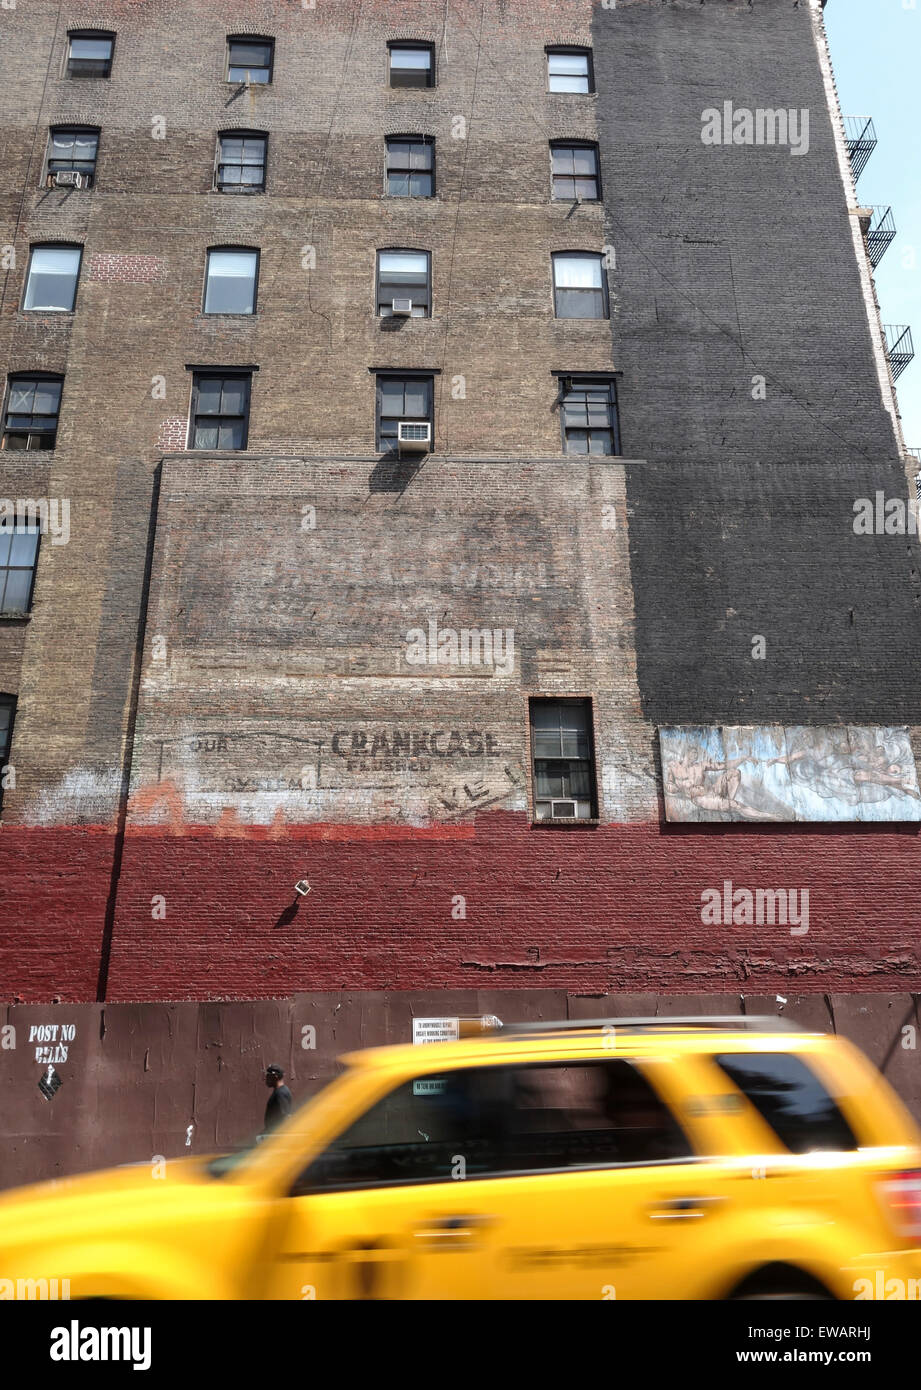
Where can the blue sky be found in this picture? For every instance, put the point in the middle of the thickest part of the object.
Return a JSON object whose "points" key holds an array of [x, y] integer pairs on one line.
{"points": [[876, 52]]}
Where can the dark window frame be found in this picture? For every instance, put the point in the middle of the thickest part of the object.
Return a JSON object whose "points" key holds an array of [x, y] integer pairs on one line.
{"points": [[50, 159], [573, 380], [557, 256], [11, 381], [17, 614], [219, 163], [417, 45], [50, 246], [564, 144], [402, 251], [107, 34], [9, 702], [261, 39], [591, 763], [225, 374], [583, 51], [380, 444], [231, 313], [429, 142], [301, 1185]]}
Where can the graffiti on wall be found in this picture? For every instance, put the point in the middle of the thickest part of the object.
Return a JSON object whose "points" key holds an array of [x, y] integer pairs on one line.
{"points": [[773, 773]]}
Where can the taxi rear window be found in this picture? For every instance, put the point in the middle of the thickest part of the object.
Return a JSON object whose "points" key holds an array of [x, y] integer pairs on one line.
{"points": [[791, 1098]]}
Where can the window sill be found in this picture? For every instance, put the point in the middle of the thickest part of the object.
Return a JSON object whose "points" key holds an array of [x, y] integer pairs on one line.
{"points": [[568, 821], [15, 617]]}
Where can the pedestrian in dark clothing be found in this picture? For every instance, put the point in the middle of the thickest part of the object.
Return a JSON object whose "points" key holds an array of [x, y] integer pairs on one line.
{"points": [[280, 1101]]}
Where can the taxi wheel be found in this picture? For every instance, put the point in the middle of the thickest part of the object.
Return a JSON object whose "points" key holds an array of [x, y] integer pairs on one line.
{"points": [[796, 1297], [779, 1283]]}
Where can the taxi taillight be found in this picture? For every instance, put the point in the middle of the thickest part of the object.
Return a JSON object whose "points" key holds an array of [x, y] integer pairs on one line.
{"points": [[901, 1193]]}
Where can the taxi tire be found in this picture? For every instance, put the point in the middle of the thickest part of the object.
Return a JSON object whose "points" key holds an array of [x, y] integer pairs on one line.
{"points": [[779, 1283]]}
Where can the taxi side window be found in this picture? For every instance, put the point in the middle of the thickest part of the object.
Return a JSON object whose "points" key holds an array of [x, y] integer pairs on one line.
{"points": [[791, 1098], [498, 1121]]}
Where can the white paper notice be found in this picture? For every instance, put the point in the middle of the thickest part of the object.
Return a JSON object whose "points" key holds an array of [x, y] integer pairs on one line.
{"points": [[432, 1030]]}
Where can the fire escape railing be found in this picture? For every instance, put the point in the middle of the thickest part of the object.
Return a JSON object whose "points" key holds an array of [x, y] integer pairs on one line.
{"points": [[860, 137], [899, 347], [880, 234]]}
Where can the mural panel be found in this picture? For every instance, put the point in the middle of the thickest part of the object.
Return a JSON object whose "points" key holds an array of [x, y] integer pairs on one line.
{"points": [[772, 773]]}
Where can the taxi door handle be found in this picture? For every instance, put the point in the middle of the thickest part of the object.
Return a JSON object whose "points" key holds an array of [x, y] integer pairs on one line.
{"points": [[452, 1232], [683, 1208]]}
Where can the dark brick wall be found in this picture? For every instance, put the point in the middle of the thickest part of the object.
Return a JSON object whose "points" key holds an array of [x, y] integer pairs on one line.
{"points": [[732, 262]]}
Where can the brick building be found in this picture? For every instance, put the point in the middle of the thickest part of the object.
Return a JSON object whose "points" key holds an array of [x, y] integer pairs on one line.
{"points": [[517, 706]]}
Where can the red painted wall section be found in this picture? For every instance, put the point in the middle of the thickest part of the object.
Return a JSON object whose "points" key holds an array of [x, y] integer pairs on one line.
{"points": [[54, 884], [602, 908]]}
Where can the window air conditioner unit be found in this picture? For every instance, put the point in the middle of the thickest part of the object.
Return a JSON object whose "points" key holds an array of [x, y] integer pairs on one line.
{"points": [[414, 436], [67, 178], [563, 810], [402, 308]]}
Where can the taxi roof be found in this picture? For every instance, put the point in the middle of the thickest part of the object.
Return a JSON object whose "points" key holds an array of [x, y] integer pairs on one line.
{"points": [[577, 1038]]}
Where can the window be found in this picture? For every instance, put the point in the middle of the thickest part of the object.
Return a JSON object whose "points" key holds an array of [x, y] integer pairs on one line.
{"points": [[564, 767], [401, 398], [410, 166], [412, 65], [73, 149], [89, 53], [403, 276], [574, 170], [241, 162], [18, 553], [31, 417], [250, 60], [589, 415], [570, 70], [579, 286], [7, 716], [51, 282], [507, 1121], [791, 1098], [230, 280], [220, 410]]}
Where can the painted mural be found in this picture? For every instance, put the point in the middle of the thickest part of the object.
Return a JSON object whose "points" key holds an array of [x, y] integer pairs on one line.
{"points": [[772, 773]]}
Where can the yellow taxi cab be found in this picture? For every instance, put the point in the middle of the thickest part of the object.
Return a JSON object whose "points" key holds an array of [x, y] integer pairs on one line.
{"points": [[588, 1159]]}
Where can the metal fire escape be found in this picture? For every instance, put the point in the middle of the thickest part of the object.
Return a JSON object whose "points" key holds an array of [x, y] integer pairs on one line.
{"points": [[860, 136], [899, 347], [878, 227], [880, 234]]}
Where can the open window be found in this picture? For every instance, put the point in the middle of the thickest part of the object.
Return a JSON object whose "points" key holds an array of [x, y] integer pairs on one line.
{"points": [[563, 760], [249, 59], [90, 53], [404, 284], [411, 64], [71, 161]]}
